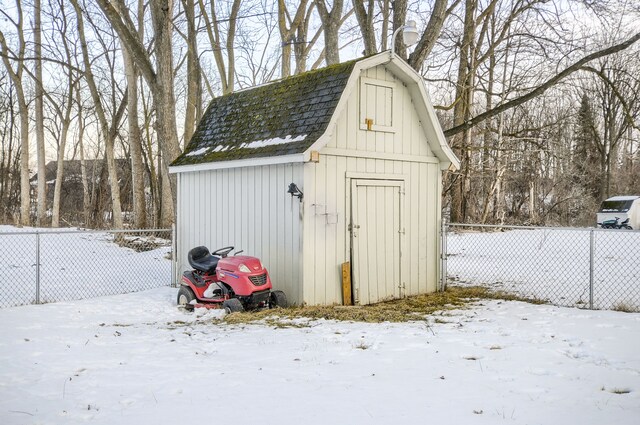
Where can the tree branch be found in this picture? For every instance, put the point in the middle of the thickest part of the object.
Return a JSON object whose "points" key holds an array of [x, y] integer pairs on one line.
{"points": [[542, 88]]}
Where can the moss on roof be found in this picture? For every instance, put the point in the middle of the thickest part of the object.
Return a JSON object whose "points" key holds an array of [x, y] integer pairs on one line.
{"points": [[299, 107]]}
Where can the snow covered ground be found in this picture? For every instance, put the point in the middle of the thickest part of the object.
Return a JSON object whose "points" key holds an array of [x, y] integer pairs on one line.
{"points": [[76, 265], [551, 264], [137, 359]]}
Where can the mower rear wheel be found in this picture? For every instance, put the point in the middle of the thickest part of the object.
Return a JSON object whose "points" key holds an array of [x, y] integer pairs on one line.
{"points": [[232, 305], [278, 299], [185, 296]]}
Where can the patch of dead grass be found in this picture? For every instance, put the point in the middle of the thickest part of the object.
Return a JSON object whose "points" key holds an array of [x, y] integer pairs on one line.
{"points": [[625, 308], [404, 310]]}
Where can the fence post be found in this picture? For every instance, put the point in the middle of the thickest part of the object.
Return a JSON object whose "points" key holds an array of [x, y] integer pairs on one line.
{"points": [[443, 254], [592, 245], [37, 267], [174, 258]]}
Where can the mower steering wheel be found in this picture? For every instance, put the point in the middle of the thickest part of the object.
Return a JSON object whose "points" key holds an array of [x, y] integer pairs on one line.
{"points": [[223, 252]]}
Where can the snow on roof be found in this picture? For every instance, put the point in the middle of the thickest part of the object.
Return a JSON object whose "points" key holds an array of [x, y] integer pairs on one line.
{"points": [[273, 141], [198, 152]]}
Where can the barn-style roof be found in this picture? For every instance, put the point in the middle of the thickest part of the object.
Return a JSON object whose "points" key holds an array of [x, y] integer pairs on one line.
{"points": [[280, 118]]}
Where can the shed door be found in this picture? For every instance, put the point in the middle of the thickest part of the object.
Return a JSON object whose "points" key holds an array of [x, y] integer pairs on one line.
{"points": [[375, 239]]}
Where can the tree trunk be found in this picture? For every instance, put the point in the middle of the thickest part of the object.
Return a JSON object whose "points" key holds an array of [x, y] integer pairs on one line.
{"points": [[167, 212], [430, 35], [25, 187], [288, 36], [331, 21], [164, 100], [365, 22], [66, 122], [194, 86], [399, 18], [462, 111], [135, 144], [86, 196], [159, 80], [23, 111], [39, 106]]}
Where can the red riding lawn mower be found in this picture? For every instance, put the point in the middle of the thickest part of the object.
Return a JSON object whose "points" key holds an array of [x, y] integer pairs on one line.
{"points": [[234, 283]]}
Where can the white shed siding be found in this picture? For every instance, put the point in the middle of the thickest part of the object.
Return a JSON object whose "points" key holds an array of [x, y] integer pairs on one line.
{"points": [[400, 154], [327, 246], [407, 137], [248, 208]]}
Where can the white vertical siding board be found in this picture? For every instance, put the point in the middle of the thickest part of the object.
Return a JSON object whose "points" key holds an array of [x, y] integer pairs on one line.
{"points": [[371, 251], [279, 192], [308, 240], [254, 207], [287, 223], [396, 281], [423, 260], [319, 184], [273, 225], [243, 191], [390, 249], [432, 226], [353, 119], [378, 138], [371, 165], [413, 229], [332, 244], [438, 209], [298, 237]]}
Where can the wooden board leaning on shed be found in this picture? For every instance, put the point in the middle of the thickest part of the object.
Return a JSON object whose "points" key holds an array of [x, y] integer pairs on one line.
{"points": [[346, 284]]}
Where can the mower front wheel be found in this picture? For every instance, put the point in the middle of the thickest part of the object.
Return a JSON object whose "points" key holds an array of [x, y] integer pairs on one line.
{"points": [[185, 296], [232, 305], [278, 299]]}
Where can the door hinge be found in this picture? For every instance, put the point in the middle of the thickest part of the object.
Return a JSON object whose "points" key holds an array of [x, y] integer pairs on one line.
{"points": [[402, 231]]}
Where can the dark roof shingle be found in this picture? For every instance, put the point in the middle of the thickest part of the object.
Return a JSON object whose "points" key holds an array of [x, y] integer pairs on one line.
{"points": [[280, 118]]}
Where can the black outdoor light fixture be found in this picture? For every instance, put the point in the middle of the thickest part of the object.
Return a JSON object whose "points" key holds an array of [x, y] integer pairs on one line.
{"points": [[294, 190]]}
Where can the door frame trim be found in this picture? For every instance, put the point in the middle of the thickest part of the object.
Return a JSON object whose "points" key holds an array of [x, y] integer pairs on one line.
{"points": [[389, 180]]}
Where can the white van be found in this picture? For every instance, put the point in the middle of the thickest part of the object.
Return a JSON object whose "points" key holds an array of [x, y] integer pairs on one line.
{"points": [[622, 207]]}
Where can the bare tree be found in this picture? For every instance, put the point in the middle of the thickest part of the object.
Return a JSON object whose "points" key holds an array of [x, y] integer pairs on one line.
{"points": [[159, 80], [107, 131], [226, 70], [134, 134], [9, 153], [16, 78], [39, 105], [63, 109]]}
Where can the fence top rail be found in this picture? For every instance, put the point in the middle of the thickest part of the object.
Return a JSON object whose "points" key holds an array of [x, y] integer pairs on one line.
{"points": [[58, 232], [574, 229]]}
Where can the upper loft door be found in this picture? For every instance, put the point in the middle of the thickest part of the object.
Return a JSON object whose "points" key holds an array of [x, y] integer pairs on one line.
{"points": [[375, 239]]}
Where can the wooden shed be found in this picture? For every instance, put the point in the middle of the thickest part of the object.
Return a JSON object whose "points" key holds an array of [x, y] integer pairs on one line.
{"points": [[361, 142]]}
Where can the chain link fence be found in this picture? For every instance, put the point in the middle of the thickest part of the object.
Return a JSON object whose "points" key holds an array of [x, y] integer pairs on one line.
{"points": [[48, 266], [588, 268]]}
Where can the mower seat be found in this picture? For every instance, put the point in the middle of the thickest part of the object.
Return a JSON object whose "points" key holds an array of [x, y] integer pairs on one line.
{"points": [[201, 259]]}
